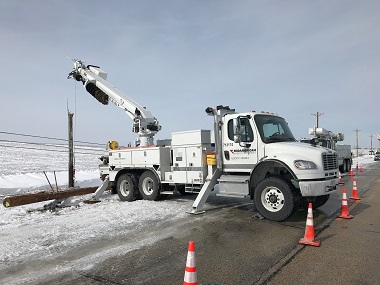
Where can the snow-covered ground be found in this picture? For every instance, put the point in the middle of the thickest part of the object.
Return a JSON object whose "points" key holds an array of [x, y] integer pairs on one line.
{"points": [[28, 234], [23, 166]]}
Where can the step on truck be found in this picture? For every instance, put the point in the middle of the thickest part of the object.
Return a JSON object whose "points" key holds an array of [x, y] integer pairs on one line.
{"points": [[250, 154]]}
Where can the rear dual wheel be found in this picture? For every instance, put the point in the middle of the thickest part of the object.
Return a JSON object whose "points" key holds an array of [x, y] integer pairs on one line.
{"points": [[149, 187], [126, 187]]}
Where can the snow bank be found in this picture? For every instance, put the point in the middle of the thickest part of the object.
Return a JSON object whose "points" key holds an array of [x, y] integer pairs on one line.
{"points": [[29, 235], [68, 234], [36, 180]]}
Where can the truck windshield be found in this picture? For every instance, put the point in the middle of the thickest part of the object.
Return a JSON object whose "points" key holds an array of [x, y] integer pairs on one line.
{"points": [[273, 129]]}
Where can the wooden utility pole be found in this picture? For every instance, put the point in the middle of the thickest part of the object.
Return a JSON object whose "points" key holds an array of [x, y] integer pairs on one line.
{"points": [[318, 115], [71, 150], [29, 198], [357, 142], [371, 136]]}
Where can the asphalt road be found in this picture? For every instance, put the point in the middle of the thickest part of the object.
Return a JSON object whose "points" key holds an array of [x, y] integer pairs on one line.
{"points": [[234, 246]]}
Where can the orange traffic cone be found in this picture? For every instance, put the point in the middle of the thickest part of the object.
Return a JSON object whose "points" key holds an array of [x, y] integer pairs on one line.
{"points": [[354, 191], [361, 167], [344, 214], [340, 179], [308, 239], [352, 172], [191, 270]]}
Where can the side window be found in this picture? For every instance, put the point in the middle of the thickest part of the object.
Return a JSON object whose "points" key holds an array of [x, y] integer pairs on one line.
{"points": [[245, 130], [230, 127]]}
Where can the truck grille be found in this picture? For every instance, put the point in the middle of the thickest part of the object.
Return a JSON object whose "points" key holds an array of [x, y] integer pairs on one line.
{"points": [[330, 161]]}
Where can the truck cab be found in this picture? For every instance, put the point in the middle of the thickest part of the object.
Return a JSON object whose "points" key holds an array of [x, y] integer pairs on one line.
{"points": [[377, 156]]}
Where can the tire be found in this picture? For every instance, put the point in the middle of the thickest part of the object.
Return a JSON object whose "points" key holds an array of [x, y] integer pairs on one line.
{"points": [[318, 201], [127, 187], [181, 189], [345, 166], [113, 190], [348, 165], [342, 168], [275, 199], [149, 186]]}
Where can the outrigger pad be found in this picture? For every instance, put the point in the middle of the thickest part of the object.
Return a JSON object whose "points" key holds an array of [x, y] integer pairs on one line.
{"points": [[91, 201]]}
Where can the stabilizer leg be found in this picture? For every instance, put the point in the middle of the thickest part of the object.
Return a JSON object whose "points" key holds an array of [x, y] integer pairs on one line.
{"points": [[99, 191], [211, 181]]}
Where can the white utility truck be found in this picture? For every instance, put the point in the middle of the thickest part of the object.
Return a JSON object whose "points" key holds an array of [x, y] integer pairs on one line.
{"points": [[328, 139], [248, 154]]}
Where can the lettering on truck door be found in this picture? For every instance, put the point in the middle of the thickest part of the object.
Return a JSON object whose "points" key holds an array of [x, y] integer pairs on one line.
{"points": [[239, 157]]}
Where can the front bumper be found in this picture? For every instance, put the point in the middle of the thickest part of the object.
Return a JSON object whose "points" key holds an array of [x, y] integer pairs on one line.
{"points": [[318, 188]]}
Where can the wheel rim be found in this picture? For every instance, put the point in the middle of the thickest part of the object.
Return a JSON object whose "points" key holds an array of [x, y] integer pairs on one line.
{"points": [[125, 187], [147, 186], [272, 199]]}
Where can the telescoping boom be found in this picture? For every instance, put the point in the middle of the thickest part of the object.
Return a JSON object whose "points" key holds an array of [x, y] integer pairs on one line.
{"points": [[94, 80]]}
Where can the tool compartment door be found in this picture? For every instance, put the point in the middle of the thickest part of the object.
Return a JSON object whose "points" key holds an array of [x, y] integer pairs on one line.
{"points": [[189, 156], [189, 165]]}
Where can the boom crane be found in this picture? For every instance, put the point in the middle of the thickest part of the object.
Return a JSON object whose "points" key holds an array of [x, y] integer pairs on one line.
{"points": [[94, 80], [248, 154]]}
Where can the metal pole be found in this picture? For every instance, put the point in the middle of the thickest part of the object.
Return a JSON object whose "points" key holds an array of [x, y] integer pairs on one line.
{"points": [[71, 151], [51, 187], [56, 184]]}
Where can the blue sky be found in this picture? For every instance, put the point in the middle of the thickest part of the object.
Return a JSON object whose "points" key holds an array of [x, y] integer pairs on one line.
{"points": [[294, 58]]}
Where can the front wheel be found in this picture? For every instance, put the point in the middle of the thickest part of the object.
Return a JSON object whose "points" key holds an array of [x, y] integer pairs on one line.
{"points": [[149, 186], [275, 199]]}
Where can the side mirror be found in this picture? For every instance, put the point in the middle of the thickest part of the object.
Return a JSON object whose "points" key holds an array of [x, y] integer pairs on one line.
{"points": [[314, 141], [236, 126]]}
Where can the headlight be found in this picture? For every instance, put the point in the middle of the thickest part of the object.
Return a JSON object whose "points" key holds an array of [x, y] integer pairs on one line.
{"points": [[304, 164]]}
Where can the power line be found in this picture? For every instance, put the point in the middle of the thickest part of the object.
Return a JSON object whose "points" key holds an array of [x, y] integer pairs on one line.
{"points": [[48, 138], [52, 150], [52, 145]]}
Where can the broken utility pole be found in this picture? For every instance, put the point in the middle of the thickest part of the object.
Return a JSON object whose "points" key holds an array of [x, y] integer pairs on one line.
{"points": [[71, 151], [24, 199]]}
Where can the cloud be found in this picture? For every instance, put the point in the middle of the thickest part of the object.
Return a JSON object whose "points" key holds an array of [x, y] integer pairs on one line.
{"points": [[178, 57]]}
